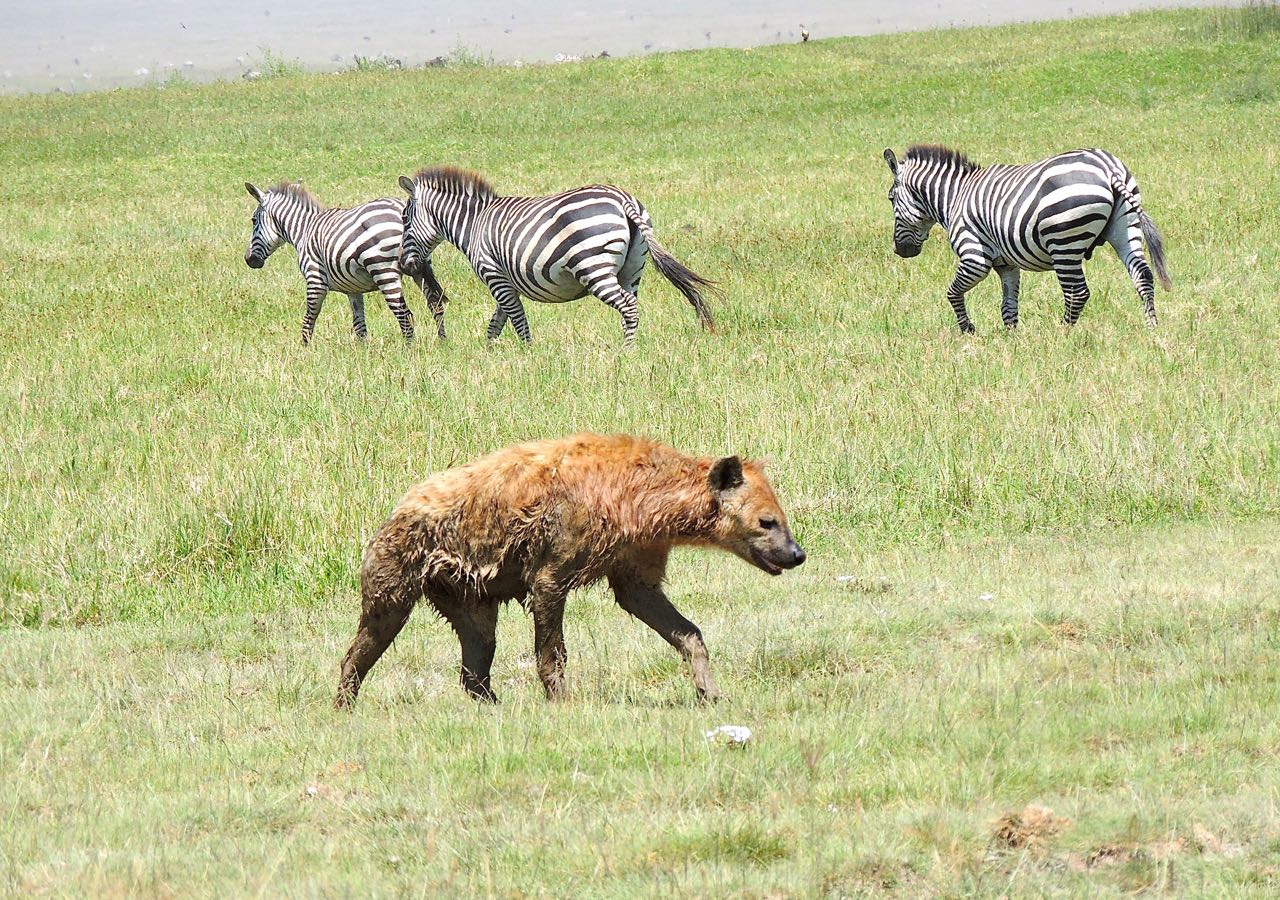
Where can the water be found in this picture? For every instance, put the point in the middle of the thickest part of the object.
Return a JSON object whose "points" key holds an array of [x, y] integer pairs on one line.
{"points": [[77, 45]]}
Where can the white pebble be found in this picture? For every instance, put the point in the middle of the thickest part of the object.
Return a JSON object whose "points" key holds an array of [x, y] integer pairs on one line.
{"points": [[733, 735]]}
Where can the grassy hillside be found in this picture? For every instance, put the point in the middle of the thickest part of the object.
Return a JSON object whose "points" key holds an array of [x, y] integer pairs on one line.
{"points": [[1060, 544]]}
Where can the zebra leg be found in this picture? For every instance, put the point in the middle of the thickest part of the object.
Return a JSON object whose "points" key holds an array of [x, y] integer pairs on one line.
{"points": [[970, 272], [496, 323], [510, 307], [606, 287], [1125, 237], [1075, 292], [357, 316], [435, 303], [315, 299], [388, 282], [1010, 283]]}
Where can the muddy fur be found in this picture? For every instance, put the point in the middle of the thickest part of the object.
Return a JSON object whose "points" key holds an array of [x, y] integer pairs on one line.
{"points": [[534, 521]]}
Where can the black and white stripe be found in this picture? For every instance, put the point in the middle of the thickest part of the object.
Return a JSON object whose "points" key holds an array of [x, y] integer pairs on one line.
{"points": [[352, 251], [1046, 215], [551, 249]]}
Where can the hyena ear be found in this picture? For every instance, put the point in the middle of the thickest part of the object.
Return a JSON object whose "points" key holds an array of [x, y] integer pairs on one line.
{"points": [[253, 191], [725, 475], [891, 160], [407, 183]]}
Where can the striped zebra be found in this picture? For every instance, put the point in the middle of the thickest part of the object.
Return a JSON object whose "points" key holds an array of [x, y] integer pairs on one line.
{"points": [[551, 249], [349, 250], [1045, 215]]}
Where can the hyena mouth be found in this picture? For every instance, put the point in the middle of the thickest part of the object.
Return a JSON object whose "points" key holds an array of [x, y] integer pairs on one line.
{"points": [[761, 563]]}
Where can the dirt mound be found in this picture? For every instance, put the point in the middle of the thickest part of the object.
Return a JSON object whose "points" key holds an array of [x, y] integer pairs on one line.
{"points": [[1028, 829]]}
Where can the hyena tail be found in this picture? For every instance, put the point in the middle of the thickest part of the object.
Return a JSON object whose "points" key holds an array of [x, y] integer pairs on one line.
{"points": [[687, 281], [1150, 234]]}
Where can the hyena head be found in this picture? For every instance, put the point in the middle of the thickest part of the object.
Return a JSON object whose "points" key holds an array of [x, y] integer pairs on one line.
{"points": [[267, 236], [750, 521], [422, 233], [911, 218]]}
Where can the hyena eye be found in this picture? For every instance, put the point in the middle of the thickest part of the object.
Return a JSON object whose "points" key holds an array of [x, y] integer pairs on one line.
{"points": [[768, 524]]}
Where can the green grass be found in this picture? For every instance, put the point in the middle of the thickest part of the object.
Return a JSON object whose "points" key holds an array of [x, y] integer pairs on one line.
{"points": [[1061, 542]]}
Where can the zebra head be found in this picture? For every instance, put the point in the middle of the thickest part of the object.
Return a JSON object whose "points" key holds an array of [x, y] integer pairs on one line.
{"points": [[912, 219], [422, 232], [267, 235]]}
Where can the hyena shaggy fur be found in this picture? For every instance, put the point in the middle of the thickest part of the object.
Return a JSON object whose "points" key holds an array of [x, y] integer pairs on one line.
{"points": [[534, 521]]}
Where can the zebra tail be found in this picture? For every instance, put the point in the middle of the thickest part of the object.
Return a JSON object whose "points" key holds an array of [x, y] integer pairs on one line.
{"points": [[1150, 234], [687, 281], [1155, 244]]}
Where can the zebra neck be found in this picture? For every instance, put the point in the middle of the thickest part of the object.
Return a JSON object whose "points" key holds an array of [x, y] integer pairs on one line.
{"points": [[295, 222], [459, 234], [457, 223], [940, 198], [939, 193]]}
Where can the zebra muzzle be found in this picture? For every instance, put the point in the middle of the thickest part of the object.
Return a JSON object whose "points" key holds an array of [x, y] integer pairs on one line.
{"points": [[254, 262], [906, 251]]}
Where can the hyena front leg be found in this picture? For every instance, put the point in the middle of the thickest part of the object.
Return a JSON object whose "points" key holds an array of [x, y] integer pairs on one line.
{"points": [[639, 592]]}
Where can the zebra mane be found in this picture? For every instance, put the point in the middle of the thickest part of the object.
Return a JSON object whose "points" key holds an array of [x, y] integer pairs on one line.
{"points": [[944, 155], [449, 180], [296, 191]]}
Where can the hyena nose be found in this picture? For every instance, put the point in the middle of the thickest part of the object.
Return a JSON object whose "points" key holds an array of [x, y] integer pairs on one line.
{"points": [[797, 554]]}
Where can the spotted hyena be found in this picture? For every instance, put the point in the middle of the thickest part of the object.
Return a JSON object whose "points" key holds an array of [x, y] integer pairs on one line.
{"points": [[534, 521]]}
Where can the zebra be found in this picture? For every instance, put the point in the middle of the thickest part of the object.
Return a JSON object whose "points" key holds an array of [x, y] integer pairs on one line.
{"points": [[1045, 215], [553, 249], [349, 250]]}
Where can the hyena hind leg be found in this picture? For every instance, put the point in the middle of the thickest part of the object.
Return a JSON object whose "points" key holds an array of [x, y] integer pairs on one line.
{"points": [[377, 628], [475, 622]]}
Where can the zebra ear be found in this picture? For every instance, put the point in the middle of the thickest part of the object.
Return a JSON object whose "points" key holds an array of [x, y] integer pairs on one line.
{"points": [[253, 192], [891, 160], [407, 183]]}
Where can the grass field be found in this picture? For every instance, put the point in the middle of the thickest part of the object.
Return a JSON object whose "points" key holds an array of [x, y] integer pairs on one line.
{"points": [[1061, 570]]}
